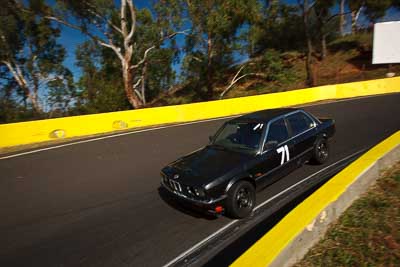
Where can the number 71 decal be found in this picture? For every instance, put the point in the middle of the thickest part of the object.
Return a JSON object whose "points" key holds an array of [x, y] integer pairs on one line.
{"points": [[284, 150]]}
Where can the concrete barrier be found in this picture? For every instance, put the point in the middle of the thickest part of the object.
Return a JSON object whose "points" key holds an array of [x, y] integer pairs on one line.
{"points": [[288, 241], [14, 134]]}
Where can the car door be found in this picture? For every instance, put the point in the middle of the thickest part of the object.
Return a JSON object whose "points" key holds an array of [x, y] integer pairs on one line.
{"points": [[303, 136], [276, 157]]}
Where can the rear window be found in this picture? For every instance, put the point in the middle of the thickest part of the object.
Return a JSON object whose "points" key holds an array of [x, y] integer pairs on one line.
{"points": [[299, 122]]}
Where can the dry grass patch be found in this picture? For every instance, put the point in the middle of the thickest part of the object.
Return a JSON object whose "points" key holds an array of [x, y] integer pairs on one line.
{"points": [[368, 233]]}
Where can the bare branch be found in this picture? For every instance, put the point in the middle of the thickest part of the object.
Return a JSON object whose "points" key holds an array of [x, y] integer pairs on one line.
{"points": [[306, 9], [236, 79], [197, 59], [106, 20], [18, 76], [116, 49], [137, 83], [133, 18], [358, 13], [172, 35], [95, 38], [241, 68], [14, 73], [233, 81], [335, 15], [143, 60], [123, 18], [138, 94]]}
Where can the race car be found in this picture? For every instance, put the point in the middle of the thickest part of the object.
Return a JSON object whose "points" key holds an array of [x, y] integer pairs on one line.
{"points": [[247, 154]]}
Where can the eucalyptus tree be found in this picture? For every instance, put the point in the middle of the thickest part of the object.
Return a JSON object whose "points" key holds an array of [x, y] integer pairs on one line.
{"points": [[306, 8], [29, 53], [279, 26], [131, 34], [100, 83], [342, 18], [372, 9], [211, 42], [376, 9], [326, 21]]}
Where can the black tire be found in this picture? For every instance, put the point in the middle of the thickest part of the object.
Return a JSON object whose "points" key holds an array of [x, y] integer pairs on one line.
{"points": [[320, 151], [241, 200]]}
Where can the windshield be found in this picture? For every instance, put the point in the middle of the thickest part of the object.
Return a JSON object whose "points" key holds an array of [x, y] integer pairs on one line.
{"points": [[243, 136]]}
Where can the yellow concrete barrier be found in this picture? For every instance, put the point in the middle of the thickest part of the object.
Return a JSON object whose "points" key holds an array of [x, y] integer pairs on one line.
{"points": [[269, 247], [45, 130]]}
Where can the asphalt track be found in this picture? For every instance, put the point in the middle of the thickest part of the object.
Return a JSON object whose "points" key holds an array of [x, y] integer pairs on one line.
{"points": [[98, 204]]}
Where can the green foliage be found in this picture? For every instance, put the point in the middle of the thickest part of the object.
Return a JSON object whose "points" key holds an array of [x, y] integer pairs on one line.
{"points": [[280, 27], [359, 41], [213, 39], [373, 9], [376, 9], [101, 68], [61, 94], [275, 67], [31, 61], [99, 88]]}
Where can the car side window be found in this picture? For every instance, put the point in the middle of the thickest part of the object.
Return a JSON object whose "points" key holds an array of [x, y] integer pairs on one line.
{"points": [[299, 122], [277, 131]]}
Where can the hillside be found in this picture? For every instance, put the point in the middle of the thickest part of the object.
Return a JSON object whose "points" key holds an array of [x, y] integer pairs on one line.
{"points": [[349, 59]]}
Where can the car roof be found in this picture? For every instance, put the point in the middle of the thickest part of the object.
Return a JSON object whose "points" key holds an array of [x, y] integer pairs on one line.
{"points": [[264, 115]]}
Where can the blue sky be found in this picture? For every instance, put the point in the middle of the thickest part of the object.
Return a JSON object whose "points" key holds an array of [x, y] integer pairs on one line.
{"points": [[71, 38]]}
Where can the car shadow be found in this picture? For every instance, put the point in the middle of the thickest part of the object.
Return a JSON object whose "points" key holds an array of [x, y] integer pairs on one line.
{"points": [[179, 205]]}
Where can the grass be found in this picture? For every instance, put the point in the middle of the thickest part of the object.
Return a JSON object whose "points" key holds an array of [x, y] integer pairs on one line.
{"points": [[368, 233]]}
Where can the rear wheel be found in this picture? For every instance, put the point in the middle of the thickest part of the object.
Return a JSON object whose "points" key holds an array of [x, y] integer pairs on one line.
{"points": [[241, 199], [321, 151]]}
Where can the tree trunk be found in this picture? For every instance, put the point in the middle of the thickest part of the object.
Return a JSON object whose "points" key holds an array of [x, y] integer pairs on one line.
{"points": [[354, 18], [18, 76], [209, 68], [143, 85], [310, 76], [323, 46], [124, 52], [342, 19], [353, 22], [35, 104], [34, 95], [128, 86]]}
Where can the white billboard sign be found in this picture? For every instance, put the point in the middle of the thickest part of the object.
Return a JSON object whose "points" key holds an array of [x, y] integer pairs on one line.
{"points": [[386, 47]]}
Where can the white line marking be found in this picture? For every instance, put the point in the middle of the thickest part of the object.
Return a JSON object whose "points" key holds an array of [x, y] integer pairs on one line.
{"points": [[167, 126], [184, 254], [187, 252], [113, 136], [305, 179]]}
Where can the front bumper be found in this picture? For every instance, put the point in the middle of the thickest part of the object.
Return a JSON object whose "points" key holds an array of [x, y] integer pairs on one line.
{"points": [[205, 205]]}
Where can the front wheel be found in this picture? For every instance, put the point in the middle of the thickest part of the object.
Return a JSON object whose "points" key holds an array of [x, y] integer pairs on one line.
{"points": [[321, 151], [241, 200]]}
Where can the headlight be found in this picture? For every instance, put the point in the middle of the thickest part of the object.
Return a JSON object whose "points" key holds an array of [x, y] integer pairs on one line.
{"points": [[190, 190], [199, 192]]}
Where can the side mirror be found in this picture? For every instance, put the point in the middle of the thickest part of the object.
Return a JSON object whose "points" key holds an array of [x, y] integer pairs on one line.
{"points": [[270, 145], [210, 138]]}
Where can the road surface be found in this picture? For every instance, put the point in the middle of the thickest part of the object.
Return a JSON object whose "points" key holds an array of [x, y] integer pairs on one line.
{"points": [[97, 203]]}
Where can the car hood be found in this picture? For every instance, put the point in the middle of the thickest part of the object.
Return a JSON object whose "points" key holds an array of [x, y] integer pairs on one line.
{"points": [[205, 165]]}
